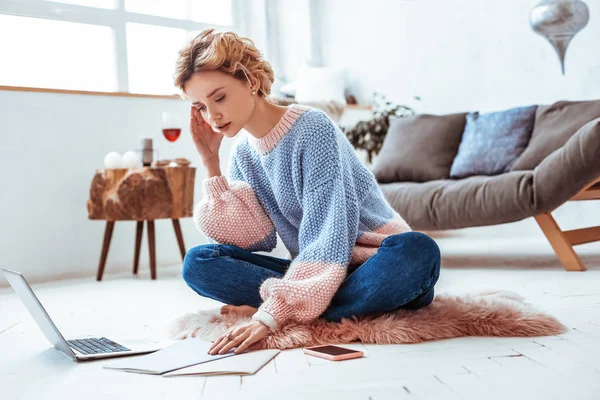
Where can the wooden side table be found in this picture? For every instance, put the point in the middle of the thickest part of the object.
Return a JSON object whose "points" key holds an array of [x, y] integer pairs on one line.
{"points": [[141, 194]]}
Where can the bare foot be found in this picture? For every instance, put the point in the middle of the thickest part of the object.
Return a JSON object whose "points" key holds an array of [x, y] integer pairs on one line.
{"points": [[246, 311]]}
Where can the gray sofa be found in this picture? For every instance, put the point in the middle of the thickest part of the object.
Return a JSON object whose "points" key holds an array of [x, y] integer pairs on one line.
{"points": [[560, 163]]}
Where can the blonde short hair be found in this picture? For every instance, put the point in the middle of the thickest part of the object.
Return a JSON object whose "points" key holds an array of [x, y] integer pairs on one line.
{"points": [[226, 52]]}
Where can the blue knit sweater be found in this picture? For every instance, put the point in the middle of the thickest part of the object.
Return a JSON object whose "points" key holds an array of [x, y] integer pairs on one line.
{"points": [[304, 182]]}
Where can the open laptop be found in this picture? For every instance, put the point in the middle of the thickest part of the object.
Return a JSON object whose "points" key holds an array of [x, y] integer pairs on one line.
{"points": [[76, 349]]}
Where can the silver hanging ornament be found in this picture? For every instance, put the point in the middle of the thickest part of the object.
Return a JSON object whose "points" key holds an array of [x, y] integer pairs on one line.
{"points": [[558, 21]]}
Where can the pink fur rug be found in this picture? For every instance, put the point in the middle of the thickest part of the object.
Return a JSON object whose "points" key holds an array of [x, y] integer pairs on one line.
{"points": [[495, 313]]}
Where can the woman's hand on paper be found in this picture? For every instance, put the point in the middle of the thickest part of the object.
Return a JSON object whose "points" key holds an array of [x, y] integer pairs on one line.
{"points": [[243, 337]]}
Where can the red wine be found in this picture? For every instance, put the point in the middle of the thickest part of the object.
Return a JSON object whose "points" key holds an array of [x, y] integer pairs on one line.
{"points": [[171, 134]]}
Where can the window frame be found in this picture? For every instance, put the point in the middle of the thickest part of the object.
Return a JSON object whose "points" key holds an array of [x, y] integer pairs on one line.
{"points": [[116, 19]]}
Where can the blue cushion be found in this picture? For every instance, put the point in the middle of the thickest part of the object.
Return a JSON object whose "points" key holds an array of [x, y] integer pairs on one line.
{"points": [[492, 142]]}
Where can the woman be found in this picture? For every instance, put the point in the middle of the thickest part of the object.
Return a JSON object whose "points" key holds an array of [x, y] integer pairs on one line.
{"points": [[297, 175]]}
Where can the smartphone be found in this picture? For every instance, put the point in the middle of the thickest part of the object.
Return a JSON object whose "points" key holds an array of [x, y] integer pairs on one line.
{"points": [[333, 353]]}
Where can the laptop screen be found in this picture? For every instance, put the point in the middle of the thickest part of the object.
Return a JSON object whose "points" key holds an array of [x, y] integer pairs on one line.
{"points": [[37, 311]]}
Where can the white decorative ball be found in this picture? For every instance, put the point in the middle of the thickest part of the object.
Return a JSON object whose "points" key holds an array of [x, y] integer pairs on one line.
{"points": [[130, 160], [112, 160]]}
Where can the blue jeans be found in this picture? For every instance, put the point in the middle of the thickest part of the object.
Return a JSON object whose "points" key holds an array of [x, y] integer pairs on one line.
{"points": [[401, 274]]}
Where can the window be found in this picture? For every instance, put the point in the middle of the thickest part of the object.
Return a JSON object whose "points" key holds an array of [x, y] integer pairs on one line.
{"points": [[206, 11], [213, 12], [108, 4], [170, 9], [102, 45], [35, 59], [151, 54]]}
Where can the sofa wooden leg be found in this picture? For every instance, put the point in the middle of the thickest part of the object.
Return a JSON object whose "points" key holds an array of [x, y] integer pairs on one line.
{"points": [[559, 241]]}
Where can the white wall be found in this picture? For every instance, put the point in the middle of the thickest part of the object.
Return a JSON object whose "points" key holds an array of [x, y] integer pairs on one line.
{"points": [[457, 54], [51, 145]]}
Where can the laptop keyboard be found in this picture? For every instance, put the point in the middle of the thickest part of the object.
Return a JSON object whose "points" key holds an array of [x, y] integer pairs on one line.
{"points": [[96, 346]]}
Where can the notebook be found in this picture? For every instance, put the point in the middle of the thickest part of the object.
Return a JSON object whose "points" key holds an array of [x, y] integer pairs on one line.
{"points": [[242, 364], [185, 353]]}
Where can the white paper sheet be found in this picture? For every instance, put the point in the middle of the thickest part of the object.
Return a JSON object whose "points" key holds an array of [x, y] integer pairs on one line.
{"points": [[242, 364], [183, 354]]}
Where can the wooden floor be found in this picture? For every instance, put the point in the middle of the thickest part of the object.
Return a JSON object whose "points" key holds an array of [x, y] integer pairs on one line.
{"points": [[558, 367]]}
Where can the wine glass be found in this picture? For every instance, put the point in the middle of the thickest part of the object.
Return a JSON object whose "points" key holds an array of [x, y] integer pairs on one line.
{"points": [[171, 129]]}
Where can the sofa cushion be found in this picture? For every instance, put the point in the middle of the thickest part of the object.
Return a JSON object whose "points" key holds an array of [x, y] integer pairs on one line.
{"points": [[473, 201], [501, 136], [419, 148], [554, 125]]}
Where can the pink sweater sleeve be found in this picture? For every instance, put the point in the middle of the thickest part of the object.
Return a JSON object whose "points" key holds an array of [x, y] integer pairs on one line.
{"points": [[301, 295], [230, 213]]}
